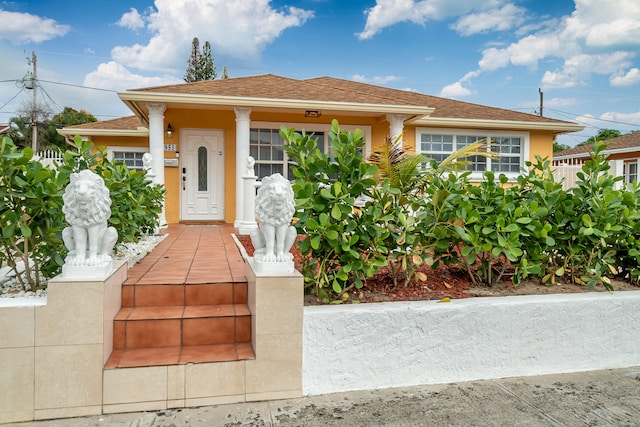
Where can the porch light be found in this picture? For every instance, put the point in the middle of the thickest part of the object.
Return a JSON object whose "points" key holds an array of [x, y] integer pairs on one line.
{"points": [[169, 131], [312, 113]]}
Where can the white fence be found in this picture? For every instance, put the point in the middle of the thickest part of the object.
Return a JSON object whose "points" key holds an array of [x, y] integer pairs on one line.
{"points": [[567, 171], [48, 157]]}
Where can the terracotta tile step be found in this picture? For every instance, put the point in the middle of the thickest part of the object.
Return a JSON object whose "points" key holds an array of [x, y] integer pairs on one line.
{"points": [[181, 294], [168, 326], [177, 355]]}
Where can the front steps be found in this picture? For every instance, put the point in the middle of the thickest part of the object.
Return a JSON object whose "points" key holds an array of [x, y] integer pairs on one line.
{"points": [[181, 323]]}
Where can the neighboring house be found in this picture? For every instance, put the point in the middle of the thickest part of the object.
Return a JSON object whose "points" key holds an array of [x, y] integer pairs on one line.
{"points": [[200, 134], [623, 152], [4, 129]]}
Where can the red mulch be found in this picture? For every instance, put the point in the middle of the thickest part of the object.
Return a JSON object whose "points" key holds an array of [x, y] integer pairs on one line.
{"points": [[445, 282]]}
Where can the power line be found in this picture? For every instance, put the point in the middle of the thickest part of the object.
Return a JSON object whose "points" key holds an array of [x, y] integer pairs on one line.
{"points": [[594, 118], [79, 86], [14, 97]]}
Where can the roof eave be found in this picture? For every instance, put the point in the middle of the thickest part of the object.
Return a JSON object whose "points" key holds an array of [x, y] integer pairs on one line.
{"points": [[133, 98], [498, 124], [71, 132], [587, 154]]}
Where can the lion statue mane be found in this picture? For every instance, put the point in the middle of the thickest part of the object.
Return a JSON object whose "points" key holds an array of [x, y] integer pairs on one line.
{"points": [[275, 206], [87, 207]]}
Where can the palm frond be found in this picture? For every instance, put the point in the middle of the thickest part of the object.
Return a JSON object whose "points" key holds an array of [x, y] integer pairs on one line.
{"points": [[455, 160]]}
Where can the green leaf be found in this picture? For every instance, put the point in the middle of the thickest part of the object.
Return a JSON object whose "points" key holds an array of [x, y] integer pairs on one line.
{"points": [[336, 213], [25, 230], [331, 234]]}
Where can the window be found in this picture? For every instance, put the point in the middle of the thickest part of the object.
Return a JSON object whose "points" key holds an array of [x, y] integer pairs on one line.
{"points": [[266, 145], [630, 170], [512, 148], [130, 156]]}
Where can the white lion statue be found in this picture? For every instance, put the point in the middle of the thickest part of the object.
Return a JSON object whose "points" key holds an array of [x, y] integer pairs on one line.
{"points": [[87, 207], [275, 207]]}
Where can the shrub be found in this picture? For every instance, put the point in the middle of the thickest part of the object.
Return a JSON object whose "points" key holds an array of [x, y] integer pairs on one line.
{"points": [[31, 209], [342, 246], [30, 214]]}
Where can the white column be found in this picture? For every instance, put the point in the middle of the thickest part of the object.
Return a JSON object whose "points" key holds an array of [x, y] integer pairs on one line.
{"points": [[249, 183], [156, 140], [396, 126], [156, 148], [243, 123]]}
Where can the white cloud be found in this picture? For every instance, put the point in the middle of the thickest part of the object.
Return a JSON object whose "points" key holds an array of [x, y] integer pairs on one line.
{"points": [[27, 28], [599, 37], [114, 76], [560, 102], [131, 20], [577, 69], [498, 19], [377, 80], [387, 13], [629, 78], [236, 28], [455, 90], [629, 119]]}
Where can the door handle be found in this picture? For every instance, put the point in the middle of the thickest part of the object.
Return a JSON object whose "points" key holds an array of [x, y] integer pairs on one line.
{"points": [[184, 182]]}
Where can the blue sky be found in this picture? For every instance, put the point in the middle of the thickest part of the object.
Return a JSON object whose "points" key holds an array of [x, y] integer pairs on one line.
{"points": [[583, 54]]}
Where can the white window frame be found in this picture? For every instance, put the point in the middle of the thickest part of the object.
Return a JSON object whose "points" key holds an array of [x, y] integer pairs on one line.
{"points": [[311, 128], [524, 149], [112, 148], [627, 175]]}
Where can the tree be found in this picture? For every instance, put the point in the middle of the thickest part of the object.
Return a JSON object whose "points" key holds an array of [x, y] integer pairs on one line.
{"points": [[602, 135], [68, 117], [559, 147], [207, 66], [193, 63], [22, 124], [200, 65]]}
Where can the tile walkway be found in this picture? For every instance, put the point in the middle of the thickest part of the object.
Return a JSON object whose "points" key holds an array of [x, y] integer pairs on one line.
{"points": [[185, 302]]}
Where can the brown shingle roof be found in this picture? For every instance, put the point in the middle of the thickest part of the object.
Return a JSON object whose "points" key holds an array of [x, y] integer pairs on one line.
{"points": [[121, 123], [444, 107], [271, 86], [628, 142], [338, 90]]}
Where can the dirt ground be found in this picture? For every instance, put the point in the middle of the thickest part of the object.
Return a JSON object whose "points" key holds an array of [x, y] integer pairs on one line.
{"points": [[445, 282]]}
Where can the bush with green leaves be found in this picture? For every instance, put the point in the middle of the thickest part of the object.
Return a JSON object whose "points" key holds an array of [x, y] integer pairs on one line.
{"points": [[342, 245], [30, 214], [31, 205], [599, 234], [136, 204]]}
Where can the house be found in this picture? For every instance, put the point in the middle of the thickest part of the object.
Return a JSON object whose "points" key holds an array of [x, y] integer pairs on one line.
{"points": [[623, 153], [201, 134]]}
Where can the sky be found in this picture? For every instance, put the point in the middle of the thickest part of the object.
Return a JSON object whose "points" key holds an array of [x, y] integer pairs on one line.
{"points": [[584, 55]]}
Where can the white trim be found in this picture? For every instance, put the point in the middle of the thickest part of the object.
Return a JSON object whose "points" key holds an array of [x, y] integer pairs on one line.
{"points": [[524, 154], [112, 148], [563, 127]]}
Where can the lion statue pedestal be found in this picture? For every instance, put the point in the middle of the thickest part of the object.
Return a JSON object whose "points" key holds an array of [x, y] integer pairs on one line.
{"points": [[90, 242], [272, 241]]}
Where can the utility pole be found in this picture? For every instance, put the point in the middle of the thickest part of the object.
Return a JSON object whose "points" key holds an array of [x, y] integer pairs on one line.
{"points": [[34, 106], [541, 100]]}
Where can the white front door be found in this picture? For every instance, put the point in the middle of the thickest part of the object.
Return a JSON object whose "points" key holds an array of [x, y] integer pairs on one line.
{"points": [[202, 175]]}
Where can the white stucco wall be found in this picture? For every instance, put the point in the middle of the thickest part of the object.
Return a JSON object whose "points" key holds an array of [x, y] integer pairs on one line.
{"points": [[369, 346]]}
